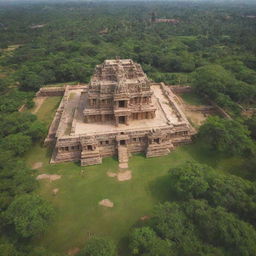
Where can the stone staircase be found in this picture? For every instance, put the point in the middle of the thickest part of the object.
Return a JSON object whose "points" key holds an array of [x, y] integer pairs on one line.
{"points": [[90, 158], [123, 157], [162, 149]]}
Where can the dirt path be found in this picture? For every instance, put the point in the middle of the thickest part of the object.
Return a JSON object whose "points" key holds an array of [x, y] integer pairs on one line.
{"points": [[51, 177], [121, 175], [38, 103]]}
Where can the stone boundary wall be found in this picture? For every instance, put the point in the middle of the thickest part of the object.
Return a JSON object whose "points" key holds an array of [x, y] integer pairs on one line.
{"points": [[73, 142], [51, 91], [202, 109], [170, 96], [51, 136], [220, 110], [57, 91], [178, 89]]}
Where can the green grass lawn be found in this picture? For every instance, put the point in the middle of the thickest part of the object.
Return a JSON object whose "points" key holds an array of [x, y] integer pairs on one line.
{"points": [[193, 99], [47, 110], [78, 214]]}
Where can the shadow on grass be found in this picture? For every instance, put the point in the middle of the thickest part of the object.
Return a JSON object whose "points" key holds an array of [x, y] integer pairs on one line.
{"points": [[123, 246], [160, 188], [49, 151], [202, 153]]}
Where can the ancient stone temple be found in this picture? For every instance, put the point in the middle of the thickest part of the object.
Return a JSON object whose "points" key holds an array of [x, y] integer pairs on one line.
{"points": [[119, 113], [120, 91]]}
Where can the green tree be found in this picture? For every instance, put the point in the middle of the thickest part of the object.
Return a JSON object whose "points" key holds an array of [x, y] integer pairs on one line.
{"points": [[189, 181], [29, 80], [17, 143], [211, 80], [7, 249], [221, 228], [230, 192], [37, 130], [144, 241], [3, 85], [251, 124], [30, 215], [99, 246], [228, 136]]}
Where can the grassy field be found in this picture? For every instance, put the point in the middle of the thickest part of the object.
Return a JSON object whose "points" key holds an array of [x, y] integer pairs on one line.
{"points": [[47, 110], [193, 99], [78, 214]]}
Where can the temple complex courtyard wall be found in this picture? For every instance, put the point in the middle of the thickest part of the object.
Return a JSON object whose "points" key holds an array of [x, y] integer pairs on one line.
{"points": [[78, 138]]}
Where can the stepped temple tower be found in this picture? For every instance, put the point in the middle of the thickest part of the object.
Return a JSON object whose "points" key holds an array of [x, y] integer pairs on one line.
{"points": [[119, 112], [119, 90]]}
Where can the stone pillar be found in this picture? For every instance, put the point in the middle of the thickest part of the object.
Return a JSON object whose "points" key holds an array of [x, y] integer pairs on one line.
{"points": [[116, 117]]}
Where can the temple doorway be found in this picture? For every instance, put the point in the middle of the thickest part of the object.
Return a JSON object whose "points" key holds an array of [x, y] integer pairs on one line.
{"points": [[121, 104], [121, 119], [122, 142]]}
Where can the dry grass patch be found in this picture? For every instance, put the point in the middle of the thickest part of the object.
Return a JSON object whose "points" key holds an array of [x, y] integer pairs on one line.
{"points": [[37, 165], [106, 203], [51, 177]]}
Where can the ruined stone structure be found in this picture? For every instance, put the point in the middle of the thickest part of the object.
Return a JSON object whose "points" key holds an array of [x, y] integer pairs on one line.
{"points": [[119, 113]]}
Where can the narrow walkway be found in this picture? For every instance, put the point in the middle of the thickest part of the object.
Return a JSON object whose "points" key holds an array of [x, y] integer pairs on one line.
{"points": [[123, 157]]}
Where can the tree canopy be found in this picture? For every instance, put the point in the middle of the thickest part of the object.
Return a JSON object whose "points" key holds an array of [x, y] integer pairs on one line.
{"points": [[227, 136], [98, 246], [30, 215]]}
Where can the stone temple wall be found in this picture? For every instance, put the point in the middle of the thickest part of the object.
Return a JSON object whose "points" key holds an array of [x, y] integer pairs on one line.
{"points": [[75, 139], [50, 91], [151, 143]]}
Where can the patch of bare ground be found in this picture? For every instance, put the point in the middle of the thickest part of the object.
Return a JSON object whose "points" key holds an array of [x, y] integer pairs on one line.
{"points": [[73, 251], [123, 165], [106, 203], [143, 218], [55, 191], [196, 118], [38, 103], [121, 175], [37, 165], [124, 175], [51, 177], [249, 112], [111, 174]]}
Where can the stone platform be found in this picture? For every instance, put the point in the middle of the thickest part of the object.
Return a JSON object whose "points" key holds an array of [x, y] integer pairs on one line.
{"points": [[68, 127], [140, 117]]}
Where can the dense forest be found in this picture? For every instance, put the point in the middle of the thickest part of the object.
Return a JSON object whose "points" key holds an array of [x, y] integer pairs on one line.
{"points": [[211, 47]]}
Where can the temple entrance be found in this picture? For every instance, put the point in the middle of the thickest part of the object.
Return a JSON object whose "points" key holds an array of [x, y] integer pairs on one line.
{"points": [[121, 104], [122, 142], [121, 119]]}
